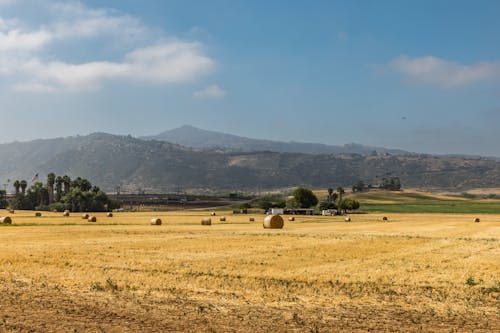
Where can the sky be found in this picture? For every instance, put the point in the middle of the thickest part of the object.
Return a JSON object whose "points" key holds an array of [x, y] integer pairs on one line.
{"points": [[423, 76]]}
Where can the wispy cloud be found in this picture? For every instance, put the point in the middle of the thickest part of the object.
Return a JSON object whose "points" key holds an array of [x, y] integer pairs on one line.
{"points": [[436, 71], [212, 91], [30, 63]]}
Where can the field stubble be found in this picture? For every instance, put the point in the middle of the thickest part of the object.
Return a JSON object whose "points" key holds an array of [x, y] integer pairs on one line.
{"points": [[430, 272]]}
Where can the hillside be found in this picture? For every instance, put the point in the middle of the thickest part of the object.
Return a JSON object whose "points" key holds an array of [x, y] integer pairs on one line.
{"points": [[191, 136], [422, 202], [157, 166]]}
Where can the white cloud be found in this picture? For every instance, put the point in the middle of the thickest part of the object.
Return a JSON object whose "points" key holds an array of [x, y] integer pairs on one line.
{"points": [[212, 91], [29, 61], [168, 62], [444, 73], [17, 40]]}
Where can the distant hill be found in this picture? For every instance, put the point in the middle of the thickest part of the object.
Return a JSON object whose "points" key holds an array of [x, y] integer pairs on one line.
{"points": [[190, 136], [157, 166]]}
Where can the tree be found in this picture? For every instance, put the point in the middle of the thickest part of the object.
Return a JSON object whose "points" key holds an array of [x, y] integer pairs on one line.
{"points": [[66, 183], [23, 183], [340, 191], [359, 186], [81, 196], [330, 192], [305, 197], [51, 178], [36, 196], [348, 205], [17, 185], [325, 205], [83, 184], [391, 184], [59, 184], [3, 199]]}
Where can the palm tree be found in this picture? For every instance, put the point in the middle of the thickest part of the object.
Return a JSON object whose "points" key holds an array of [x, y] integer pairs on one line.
{"points": [[67, 183], [51, 178], [17, 185], [59, 184], [330, 192], [23, 185]]}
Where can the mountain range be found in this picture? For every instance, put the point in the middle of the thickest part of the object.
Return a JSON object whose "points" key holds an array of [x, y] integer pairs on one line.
{"points": [[154, 165], [191, 136]]}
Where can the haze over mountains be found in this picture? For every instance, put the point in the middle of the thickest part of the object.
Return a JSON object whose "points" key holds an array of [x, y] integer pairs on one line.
{"points": [[191, 136], [158, 166]]}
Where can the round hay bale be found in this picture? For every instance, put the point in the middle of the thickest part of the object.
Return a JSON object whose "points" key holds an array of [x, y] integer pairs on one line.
{"points": [[11, 211], [85, 216], [291, 218], [213, 214], [109, 214], [222, 219], [66, 213], [348, 219], [155, 221], [206, 221], [6, 220], [251, 219], [385, 218], [477, 219], [38, 214], [273, 222], [92, 219]]}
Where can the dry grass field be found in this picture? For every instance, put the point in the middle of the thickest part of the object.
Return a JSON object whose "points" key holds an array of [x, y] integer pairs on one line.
{"points": [[415, 272]]}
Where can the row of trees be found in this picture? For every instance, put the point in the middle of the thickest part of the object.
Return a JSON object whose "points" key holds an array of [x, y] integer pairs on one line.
{"points": [[61, 193], [391, 184], [335, 200], [305, 198]]}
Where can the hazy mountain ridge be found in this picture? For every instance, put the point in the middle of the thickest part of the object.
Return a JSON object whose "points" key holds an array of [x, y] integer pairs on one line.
{"points": [[191, 136], [156, 166]]}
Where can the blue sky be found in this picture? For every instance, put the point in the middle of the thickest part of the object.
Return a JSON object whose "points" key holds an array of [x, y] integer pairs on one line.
{"points": [[417, 75]]}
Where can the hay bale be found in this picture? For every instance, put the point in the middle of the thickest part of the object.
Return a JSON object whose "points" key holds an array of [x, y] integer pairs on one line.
{"points": [[206, 221], [11, 211], [92, 219], [291, 218], [66, 213], [213, 214], [5, 220], [85, 216], [109, 214], [477, 219], [273, 222], [348, 219], [251, 219], [155, 221], [38, 214], [385, 218], [222, 219]]}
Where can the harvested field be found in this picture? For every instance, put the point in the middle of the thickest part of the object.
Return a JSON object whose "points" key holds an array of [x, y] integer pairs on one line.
{"points": [[414, 272]]}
